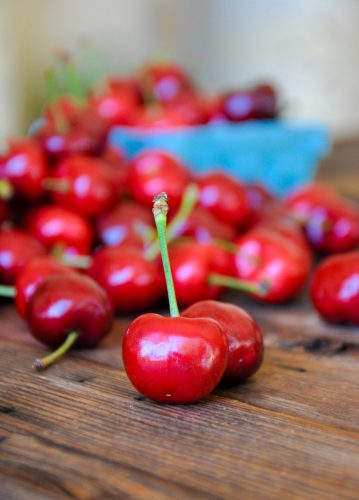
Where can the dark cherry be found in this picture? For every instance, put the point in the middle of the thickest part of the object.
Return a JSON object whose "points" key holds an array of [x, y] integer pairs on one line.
{"points": [[33, 274], [245, 340], [66, 303]]}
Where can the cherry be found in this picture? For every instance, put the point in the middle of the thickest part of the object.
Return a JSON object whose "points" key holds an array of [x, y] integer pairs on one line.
{"points": [[153, 171], [127, 222], [24, 167], [203, 226], [245, 340], [17, 248], [116, 167], [331, 223], [173, 360], [57, 226], [258, 199], [240, 105], [266, 102], [129, 278], [68, 310], [224, 197], [264, 255], [88, 188], [30, 278], [117, 102], [164, 82], [335, 288]]}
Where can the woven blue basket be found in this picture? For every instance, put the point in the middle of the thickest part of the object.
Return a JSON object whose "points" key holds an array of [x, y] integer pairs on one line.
{"points": [[279, 154]]}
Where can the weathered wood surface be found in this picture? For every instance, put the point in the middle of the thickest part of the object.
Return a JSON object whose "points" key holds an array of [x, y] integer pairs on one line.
{"points": [[80, 430]]}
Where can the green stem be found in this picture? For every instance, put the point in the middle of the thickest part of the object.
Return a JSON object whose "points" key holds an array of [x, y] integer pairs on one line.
{"points": [[7, 291], [51, 84], [56, 184], [189, 200], [6, 189], [43, 363], [93, 64], [160, 210], [78, 261], [239, 284]]}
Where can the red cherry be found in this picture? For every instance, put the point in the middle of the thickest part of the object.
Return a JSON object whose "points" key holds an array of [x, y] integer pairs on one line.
{"points": [[117, 102], [245, 340], [174, 360], [335, 288], [32, 276], [203, 226], [154, 171], [17, 248], [25, 168], [258, 199], [124, 224], [130, 280], [266, 102], [89, 187], [68, 310], [265, 255], [164, 81], [331, 223], [224, 197], [54, 225]]}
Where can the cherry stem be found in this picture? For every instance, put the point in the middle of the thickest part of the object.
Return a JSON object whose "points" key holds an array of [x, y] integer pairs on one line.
{"points": [[189, 200], [160, 210], [51, 84], [55, 184], [7, 291], [6, 190], [238, 284], [43, 363], [78, 261], [93, 63]]}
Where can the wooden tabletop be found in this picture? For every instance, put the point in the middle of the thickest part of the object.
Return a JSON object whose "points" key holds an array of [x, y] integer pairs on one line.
{"points": [[80, 430]]}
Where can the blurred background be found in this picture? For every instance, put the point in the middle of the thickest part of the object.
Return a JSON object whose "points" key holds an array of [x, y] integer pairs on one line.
{"points": [[307, 48]]}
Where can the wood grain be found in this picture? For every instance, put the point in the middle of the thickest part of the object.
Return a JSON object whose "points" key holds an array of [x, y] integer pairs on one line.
{"points": [[80, 430]]}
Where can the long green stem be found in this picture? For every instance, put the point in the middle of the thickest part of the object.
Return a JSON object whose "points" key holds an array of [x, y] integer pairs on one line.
{"points": [[7, 291], [239, 284], [189, 200], [93, 64], [43, 363], [51, 84], [6, 189], [160, 210]]}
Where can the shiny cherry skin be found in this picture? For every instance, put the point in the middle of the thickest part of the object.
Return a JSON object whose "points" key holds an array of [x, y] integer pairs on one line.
{"points": [[130, 280], [116, 166], [55, 225], [33, 274], [331, 223], [91, 190], [174, 360], [245, 340], [266, 256], [17, 248], [164, 82], [224, 197], [335, 288], [239, 106], [69, 303], [152, 172], [117, 102], [24, 166], [203, 226], [123, 224], [191, 264], [258, 199]]}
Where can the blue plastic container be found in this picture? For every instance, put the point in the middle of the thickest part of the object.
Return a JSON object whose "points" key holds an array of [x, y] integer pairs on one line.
{"points": [[280, 155]]}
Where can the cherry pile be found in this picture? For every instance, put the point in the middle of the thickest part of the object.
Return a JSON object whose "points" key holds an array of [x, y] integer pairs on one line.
{"points": [[78, 241]]}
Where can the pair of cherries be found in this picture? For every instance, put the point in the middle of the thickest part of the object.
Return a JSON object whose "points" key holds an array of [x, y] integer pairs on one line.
{"points": [[181, 359]]}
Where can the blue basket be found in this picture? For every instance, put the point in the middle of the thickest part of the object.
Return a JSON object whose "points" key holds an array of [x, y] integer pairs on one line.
{"points": [[280, 155]]}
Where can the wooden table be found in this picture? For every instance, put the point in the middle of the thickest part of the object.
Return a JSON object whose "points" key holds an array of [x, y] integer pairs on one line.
{"points": [[80, 430]]}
